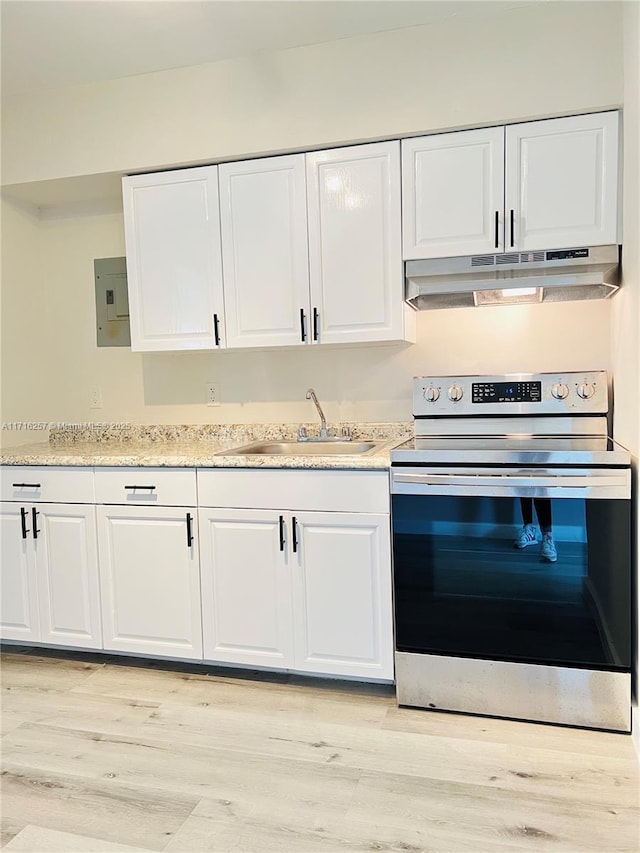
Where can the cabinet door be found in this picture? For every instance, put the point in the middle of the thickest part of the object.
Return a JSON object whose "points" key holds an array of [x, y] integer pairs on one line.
{"points": [[355, 255], [246, 594], [562, 182], [18, 592], [453, 194], [342, 595], [264, 246], [174, 270], [150, 581], [67, 566]]}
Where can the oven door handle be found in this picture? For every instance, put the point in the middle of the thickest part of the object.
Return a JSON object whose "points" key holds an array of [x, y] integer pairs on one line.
{"points": [[510, 481]]}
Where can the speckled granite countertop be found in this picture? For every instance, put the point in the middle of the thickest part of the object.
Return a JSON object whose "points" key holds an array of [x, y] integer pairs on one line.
{"points": [[199, 447]]}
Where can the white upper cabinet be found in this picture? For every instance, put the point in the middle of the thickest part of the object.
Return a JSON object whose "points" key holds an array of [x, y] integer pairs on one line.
{"points": [[355, 255], [453, 193], [174, 269], [562, 182], [549, 184], [264, 245]]}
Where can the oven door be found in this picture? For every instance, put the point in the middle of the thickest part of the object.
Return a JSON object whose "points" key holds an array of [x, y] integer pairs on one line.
{"points": [[462, 588]]}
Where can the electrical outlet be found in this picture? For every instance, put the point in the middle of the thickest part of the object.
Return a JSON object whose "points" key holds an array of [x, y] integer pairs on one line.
{"points": [[213, 394], [95, 397]]}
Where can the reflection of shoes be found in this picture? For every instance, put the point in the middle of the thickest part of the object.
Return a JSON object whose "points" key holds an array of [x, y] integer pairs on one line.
{"points": [[527, 536], [548, 553]]}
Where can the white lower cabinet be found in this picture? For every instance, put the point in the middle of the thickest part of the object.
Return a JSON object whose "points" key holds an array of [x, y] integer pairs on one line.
{"points": [[49, 575], [342, 594], [304, 590], [150, 580], [246, 594]]}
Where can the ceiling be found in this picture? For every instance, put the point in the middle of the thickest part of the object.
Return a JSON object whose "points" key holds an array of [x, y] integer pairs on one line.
{"points": [[49, 43]]}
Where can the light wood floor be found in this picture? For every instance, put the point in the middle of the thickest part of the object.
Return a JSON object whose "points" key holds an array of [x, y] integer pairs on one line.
{"points": [[105, 757]]}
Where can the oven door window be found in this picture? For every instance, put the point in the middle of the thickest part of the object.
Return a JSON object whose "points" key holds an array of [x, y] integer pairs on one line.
{"points": [[462, 587]]}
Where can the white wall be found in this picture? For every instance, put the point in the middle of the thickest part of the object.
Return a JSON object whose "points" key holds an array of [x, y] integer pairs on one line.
{"points": [[518, 63], [626, 308], [25, 364]]}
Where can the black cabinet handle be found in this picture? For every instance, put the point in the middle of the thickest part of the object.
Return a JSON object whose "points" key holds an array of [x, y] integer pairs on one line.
{"points": [[294, 525], [216, 330], [315, 324], [34, 517], [511, 214], [26, 485], [281, 523], [189, 531], [303, 333], [497, 226], [150, 488], [23, 521]]}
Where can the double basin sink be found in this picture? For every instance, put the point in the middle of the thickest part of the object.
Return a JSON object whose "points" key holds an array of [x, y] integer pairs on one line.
{"points": [[304, 448]]}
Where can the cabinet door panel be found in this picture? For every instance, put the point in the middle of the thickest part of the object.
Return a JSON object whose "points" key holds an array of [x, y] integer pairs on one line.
{"points": [[355, 253], [342, 595], [562, 182], [150, 581], [67, 565], [174, 268], [453, 187], [246, 599], [18, 592], [264, 244]]}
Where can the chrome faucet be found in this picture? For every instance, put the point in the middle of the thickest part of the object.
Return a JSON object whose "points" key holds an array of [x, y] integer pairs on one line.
{"points": [[311, 395]]}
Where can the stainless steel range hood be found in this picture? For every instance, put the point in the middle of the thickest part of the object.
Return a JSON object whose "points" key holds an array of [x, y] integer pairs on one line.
{"points": [[556, 275]]}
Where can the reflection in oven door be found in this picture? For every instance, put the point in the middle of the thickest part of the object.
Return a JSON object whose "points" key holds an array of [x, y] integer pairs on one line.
{"points": [[471, 579]]}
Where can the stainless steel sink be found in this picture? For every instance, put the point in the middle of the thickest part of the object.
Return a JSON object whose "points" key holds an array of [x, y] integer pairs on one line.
{"points": [[304, 448]]}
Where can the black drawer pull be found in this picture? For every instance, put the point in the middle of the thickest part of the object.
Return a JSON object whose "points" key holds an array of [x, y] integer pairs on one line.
{"points": [[150, 488], [511, 215], [216, 330], [294, 524], [281, 523], [189, 531], [26, 485], [315, 324], [497, 225], [303, 333], [23, 521], [34, 521]]}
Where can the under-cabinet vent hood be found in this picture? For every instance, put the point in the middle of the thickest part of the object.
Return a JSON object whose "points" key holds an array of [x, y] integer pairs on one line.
{"points": [[557, 275]]}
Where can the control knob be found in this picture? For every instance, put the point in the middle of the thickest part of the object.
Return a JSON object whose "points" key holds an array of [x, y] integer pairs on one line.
{"points": [[586, 390], [455, 393], [560, 391], [431, 394]]}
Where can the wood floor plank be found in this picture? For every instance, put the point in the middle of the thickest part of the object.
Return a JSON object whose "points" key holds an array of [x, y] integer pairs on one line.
{"points": [[224, 777], [561, 738], [340, 700], [74, 710], [55, 674], [592, 778], [37, 839], [97, 808], [451, 812]]}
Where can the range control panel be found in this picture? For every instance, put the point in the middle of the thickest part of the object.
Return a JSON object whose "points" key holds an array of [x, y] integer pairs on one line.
{"points": [[520, 393]]}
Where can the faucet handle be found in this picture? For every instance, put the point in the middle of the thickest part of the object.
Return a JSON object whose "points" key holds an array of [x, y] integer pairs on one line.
{"points": [[302, 434], [346, 432]]}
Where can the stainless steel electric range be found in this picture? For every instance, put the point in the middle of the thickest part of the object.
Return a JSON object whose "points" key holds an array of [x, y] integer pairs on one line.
{"points": [[512, 551]]}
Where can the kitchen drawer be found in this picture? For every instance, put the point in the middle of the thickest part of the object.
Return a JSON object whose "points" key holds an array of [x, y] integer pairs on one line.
{"points": [[338, 491], [146, 486], [47, 484]]}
